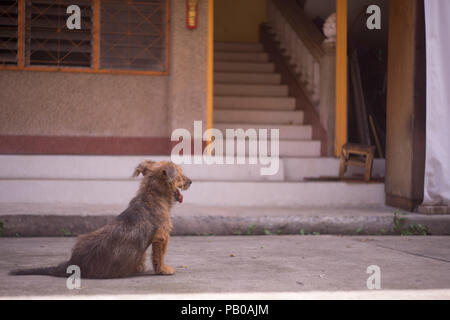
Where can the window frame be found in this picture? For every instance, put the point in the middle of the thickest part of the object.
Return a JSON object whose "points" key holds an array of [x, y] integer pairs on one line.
{"points": [[95, 66]]}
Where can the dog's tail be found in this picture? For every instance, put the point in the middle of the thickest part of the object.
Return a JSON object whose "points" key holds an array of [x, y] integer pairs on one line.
{"points": [[56, 271]]}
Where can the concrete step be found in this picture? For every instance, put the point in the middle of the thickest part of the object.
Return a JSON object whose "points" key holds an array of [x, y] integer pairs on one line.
{"points": [[241, 56], [106, 180], [297, 169], [255, 67], [207, 193], [53, 220], [287, 132], [250, 90], [255, 103], [258, 116], [300, 148], [286, 148], [59, 167], [247, 78], [238, 47]]}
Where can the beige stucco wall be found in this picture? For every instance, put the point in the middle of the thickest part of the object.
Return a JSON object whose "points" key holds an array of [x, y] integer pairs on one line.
{"points": [[188, 74], [82, 104], [238, 20]]}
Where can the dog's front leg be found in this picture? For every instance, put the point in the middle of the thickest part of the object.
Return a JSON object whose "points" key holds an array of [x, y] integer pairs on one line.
{"points": [[159, 247]]}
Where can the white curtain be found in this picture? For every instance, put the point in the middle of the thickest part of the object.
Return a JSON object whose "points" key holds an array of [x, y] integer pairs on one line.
{"points": [[437, 165]]}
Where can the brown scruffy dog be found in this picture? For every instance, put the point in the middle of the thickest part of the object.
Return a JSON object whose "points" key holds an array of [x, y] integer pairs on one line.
{"points": [[118, 249]]}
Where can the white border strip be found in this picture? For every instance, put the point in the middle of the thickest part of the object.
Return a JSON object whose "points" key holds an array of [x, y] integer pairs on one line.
{"points": [[439, 294]]}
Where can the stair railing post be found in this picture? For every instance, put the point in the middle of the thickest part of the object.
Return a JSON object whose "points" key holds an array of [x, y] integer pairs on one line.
{"points": [[294, 47], [298, 53], [304, 63], [310, 83], [316, 83], [327, 99]]}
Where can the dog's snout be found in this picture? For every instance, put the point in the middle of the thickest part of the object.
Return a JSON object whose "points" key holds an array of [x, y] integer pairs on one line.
{"points": [[188, 183]]}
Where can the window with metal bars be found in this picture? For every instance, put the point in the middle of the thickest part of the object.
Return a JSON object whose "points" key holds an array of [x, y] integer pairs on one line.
{"points": [[9, 22], [49, 42], [116, 36], [132, 35]]}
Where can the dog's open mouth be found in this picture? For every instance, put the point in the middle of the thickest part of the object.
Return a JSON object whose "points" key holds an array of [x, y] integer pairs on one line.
{"points": [[178, 196]]}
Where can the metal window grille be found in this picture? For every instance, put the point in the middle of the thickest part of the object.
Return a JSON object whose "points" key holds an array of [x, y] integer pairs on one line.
{"points": [[116, 36], [133, 34], [48, 40], [9, 23]]}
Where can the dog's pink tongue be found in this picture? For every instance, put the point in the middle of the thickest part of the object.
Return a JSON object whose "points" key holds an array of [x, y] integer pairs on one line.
{"points": [[180, 196]]}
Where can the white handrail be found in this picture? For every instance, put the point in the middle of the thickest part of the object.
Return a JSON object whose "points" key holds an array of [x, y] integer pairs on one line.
{"points": [[305, 63]]}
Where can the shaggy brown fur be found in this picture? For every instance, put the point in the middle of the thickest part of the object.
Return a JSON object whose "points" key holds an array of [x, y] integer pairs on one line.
{"points": [[118, 249]]}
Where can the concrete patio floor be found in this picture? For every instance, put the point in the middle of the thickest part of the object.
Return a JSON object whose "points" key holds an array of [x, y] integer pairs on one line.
{"points": [[249, 267]]}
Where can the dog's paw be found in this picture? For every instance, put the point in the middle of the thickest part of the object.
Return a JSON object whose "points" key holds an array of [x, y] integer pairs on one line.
{"points": [[167, 271]]}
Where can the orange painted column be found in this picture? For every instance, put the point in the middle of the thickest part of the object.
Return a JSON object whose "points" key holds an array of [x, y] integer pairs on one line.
{"points": [[341, 75], [210, 67]]}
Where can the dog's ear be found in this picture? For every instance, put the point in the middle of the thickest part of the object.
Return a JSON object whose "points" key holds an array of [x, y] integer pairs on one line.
{"points": [[143, 168], [169, 171]]}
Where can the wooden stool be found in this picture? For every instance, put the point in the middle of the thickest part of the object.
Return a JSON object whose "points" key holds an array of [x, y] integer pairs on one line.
{"points": [[347, 159]]}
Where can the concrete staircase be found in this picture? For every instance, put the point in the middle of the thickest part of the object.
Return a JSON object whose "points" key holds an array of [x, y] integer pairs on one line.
{"points": [[248, 94]]}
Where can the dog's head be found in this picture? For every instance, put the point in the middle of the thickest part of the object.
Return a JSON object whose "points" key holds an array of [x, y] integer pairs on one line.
{"points": [[166, 174]]}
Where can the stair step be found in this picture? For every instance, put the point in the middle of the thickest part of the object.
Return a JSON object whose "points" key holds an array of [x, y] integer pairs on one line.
{"points": [[261, 103], [51, 167], [284, 194], [55, 167], [297, 169], [287, 132], [251, 90], [300, 148], [214, 193], [106, 180], [261, 67], [241, 56], [247, 78], [287, 148], [238, 47], [257, 116]]}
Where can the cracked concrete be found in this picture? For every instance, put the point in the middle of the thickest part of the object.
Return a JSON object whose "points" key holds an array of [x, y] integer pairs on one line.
{"points": [[269, 267]]}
